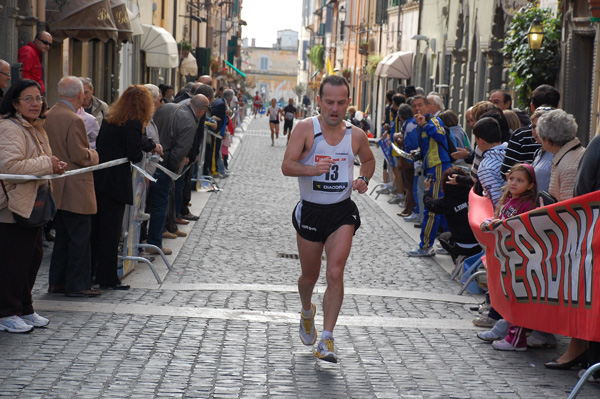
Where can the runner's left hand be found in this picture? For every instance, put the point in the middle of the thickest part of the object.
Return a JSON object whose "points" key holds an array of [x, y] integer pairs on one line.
{"points": [[360, 185]]}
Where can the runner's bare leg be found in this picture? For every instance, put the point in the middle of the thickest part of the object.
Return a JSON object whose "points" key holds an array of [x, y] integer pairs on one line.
{"points": [[337, 250], [310, 262]]}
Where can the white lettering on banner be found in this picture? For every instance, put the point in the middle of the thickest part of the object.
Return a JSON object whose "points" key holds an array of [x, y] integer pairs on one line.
{"points": [[460, 207], [554, 251]]}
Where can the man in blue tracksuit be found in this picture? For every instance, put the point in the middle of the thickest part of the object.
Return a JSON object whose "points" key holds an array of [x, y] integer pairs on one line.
{"points": [[433, 143]]}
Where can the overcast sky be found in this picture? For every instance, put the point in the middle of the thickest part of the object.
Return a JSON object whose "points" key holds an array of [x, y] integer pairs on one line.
{"points": [[266, 17]]}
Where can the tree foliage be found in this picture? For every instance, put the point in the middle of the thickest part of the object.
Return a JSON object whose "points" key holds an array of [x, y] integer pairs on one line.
{"points": [[531, 68], [316, 56], [300, 89], [372, 61]]}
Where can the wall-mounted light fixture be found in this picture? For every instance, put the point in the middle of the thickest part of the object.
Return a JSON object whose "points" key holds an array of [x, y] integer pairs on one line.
{"points": [[535, 36]]}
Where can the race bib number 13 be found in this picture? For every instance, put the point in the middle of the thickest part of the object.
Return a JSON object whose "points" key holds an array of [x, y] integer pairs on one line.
{"points": [[334, 181]]}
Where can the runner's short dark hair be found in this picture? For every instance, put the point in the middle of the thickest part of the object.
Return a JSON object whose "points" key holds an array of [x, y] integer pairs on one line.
{"points": [[334, 80]]}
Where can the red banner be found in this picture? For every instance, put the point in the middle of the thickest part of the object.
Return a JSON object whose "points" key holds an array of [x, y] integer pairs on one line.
{"points": [[542, 273]]}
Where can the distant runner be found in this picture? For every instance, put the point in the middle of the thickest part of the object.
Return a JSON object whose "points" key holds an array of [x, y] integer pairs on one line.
{"points": [[274, 114], [321, 153], [256, 104], [289, 113]]}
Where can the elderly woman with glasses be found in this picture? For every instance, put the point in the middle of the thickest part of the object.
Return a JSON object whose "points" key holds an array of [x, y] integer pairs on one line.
{"points": [[557, 131], [24, 150]]}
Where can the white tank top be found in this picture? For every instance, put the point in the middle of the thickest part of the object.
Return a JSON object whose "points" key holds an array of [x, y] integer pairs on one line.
{"points": [[336, 185]]}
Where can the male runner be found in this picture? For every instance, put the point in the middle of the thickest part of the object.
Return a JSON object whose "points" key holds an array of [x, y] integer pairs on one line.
{"points": [[256, 104], [274, 114], [289, 113], [321, 153]]}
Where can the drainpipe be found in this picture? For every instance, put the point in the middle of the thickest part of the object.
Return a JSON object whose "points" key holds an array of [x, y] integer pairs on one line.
{"points": [[416, 59], [174, 76]]}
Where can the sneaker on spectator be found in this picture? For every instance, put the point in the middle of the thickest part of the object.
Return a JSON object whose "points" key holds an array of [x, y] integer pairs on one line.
{"points": [[484, 321], [325, 351], [595, 377], [497, 332], [387, 189], [397, 199], [441, 251], [308, 332], [35, 320], [414, 217], [420, 252], [14, 324], [539, 339], [484, 308], [143, 216], [515, 340]]}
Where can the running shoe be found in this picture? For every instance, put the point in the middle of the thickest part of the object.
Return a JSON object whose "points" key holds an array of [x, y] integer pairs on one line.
{"points": [[497, 332], [414, 217], [484, 321], [35, 320], [14, 324], [308, 332], [515, 340], [397, 199], [325, 351], [421, 252], [539, 339]]}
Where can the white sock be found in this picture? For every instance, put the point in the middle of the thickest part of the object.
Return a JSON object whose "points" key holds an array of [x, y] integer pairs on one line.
{"points": [[326, 335], [307, 313]]}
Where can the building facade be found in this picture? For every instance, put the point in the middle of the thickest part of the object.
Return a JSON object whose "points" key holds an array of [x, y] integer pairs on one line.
{"points": [[121, 42], [272, 71]]}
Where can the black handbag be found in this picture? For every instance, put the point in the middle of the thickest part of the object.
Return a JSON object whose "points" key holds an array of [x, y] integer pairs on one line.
{"points": [[44, 208], [544, 198]]}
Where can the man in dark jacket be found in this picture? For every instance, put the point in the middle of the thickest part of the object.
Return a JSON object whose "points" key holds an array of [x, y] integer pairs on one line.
{"points": [[219, 110], [459, 241], [176, 125]]}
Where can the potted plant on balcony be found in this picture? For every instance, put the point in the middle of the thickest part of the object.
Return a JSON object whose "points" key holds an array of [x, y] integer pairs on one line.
{"points": [[184, 47], [346, 73], [215, 65], [363, 48]]}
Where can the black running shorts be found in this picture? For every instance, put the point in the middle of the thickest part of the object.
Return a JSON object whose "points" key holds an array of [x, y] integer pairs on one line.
{"points": [[316, 222], [288, 125]]}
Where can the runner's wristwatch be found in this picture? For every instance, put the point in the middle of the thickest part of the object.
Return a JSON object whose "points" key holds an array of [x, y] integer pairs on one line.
{"points": [[364, 179]]}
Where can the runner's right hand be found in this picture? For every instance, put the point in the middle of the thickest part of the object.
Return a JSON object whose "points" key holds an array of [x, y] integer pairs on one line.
{"points": [[323, 166]]}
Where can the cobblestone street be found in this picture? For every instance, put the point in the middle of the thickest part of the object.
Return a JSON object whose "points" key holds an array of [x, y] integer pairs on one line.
{"points": [[224, 322]]}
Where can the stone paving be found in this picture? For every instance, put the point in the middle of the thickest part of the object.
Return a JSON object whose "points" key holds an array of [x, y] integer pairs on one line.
{"points": [[224, 322]]}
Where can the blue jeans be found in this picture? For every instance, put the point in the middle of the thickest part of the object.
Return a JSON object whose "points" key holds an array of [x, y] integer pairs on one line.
{"points": [[158, 196]]}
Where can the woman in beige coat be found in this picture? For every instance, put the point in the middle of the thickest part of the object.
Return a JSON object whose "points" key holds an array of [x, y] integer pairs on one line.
{"points": [[24, 150]]}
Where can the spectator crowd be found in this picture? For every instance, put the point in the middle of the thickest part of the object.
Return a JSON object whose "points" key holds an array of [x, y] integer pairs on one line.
{"points": [[83, 213], [518, 162]]}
